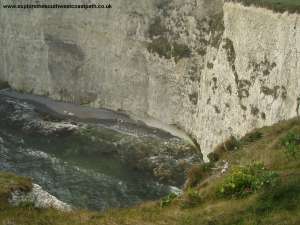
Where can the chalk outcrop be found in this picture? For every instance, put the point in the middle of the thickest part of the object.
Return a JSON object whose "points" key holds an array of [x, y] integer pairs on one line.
{"points": [[214, 69]]}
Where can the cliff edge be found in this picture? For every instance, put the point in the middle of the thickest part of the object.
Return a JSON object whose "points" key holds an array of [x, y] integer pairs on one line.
{"points": [[213, 69]]}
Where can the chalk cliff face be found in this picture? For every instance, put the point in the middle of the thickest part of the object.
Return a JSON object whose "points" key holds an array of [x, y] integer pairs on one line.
{"points": [[213, 69]]}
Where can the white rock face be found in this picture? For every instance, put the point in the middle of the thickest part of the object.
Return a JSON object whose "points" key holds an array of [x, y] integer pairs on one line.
{"points": [[39, 198], [212, 69]]}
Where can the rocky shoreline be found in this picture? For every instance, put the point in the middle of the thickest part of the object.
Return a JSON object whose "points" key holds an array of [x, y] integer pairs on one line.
{"points": [[39, 198], [154, 156]]}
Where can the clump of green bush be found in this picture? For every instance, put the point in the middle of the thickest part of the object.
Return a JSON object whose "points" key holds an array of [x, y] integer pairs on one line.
{"points": [[166, 201], [291, 142], [230, 144], [252, 137], [285, 196], [197, 173], [213, 157], [245, 180], [191, 198]]}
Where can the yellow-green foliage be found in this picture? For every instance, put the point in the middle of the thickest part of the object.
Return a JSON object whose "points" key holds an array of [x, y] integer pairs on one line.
{"points": [[245, 180], [166, 201]]}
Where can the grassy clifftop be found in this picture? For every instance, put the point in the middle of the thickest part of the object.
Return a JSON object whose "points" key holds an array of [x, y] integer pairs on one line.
{"points": [[292, 6], [254, 180]]}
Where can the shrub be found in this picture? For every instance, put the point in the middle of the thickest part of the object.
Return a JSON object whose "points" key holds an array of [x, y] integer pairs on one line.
{"points": [[252, 137], [244, 180], [291, 144], [229, 145], [166, 201], [191, 198], [233, 143], [213, 157], [285, 196], [198, 173]]}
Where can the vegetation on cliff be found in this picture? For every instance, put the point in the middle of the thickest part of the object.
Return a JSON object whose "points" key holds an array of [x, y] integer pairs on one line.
{"points": [[253, 180], [3, 85], [292, 6]]}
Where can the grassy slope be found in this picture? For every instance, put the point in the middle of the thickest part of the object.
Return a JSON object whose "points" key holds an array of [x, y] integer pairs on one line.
{"points": [[10, 182], [276, 5], [277, 206]]}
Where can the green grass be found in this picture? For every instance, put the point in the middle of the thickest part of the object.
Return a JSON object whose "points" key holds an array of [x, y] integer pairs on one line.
{"points": [[292, 6], [201, 205], [10, 182], [291, 144]]}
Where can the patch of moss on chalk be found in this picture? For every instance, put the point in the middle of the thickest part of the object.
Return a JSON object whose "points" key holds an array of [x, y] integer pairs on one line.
{"points": [[168, 50], [270, 91], [216, 26], [181, 51], [230, 51], [254, 110], [161, 46], [263, 67], [217, 110], [194, 98], [157, 28]]}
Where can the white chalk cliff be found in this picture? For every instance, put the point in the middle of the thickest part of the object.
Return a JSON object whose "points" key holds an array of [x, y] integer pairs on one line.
{"points": [[214, 69]]}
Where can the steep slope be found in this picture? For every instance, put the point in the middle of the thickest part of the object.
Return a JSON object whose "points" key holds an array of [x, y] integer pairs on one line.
{"points": [[212, 69], [276, 201]]}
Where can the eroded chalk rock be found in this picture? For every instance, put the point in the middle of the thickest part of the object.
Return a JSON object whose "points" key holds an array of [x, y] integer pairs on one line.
{"points": [[39, 198]]}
